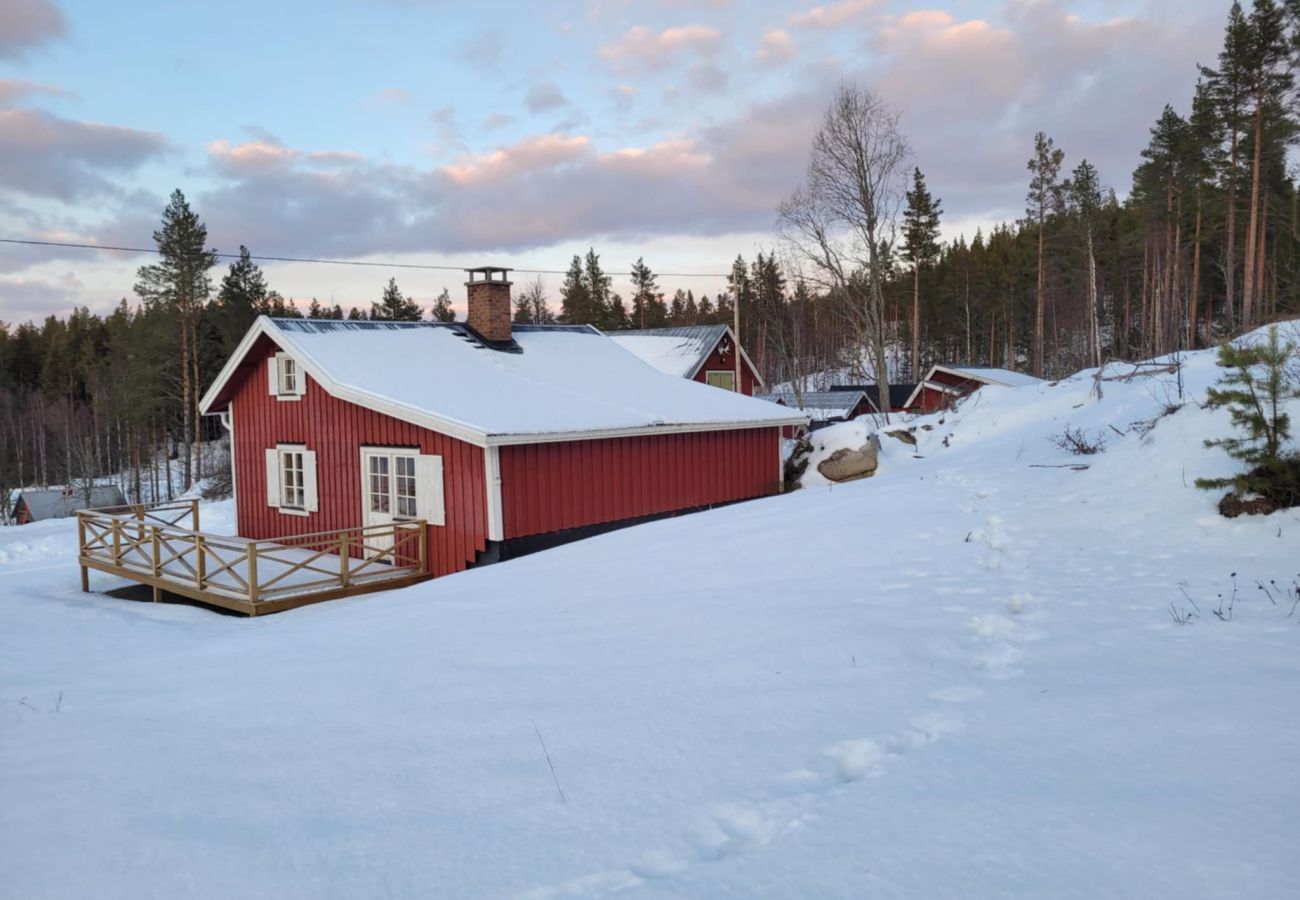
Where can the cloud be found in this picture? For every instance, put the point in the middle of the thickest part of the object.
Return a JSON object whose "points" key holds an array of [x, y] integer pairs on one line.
{"points": [[706, 78], [26, 24], [832, 16], [542, 151], [776, 47], [545, 95], [1095, 86], [640, 47], [11, 90], [32, 299], [42, 154]]}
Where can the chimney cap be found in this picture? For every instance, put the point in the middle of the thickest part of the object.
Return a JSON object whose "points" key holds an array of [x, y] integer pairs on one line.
{"points": [[489, 273]]}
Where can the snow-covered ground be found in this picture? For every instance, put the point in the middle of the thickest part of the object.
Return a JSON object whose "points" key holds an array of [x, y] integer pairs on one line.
{"points": [[960, 678]]}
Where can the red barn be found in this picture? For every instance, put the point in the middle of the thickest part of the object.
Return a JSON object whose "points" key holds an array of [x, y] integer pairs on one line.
{"points": [[703, 353], [945, 385], [502, 438]]}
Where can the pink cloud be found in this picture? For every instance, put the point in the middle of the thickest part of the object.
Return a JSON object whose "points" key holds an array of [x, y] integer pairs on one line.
{"points": [[776, 47], [26, 24], [542, 151], [643, 47], [833, 15]]}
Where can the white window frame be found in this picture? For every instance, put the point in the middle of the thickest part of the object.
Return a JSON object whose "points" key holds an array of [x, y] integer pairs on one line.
{"points": [[430, 490], [277, 459], [730, 373], [280, 368]]}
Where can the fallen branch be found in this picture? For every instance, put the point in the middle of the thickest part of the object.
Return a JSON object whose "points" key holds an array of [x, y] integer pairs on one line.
{"points": [[1077, 467]]}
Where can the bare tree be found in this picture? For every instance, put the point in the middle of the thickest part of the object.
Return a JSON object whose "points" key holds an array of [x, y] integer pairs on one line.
{"points": [[840, 223], [531, 307]]}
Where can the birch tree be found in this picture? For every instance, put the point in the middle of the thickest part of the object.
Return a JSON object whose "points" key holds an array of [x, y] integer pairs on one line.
{"points": [[839, 221]]}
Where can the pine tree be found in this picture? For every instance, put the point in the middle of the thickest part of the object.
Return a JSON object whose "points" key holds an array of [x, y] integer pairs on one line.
{"points": [[575, 297], [239, 300], [1228, 90], [441, 310], [677, 311], [1083, 193], [1255, 390], [1269, 83], [357, 314], [179, 284], [647, 306], [604, 313], [920, 246], [1043, 200], [394, 306]]}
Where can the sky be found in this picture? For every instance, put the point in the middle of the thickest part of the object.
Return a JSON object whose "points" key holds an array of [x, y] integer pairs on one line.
{"points": [[519, 134]]}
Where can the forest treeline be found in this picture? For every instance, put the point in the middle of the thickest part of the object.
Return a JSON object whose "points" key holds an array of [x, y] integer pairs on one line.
{"points": [[1205, 243]]}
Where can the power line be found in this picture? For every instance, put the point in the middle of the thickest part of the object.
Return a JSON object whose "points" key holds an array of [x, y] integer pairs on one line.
{"points": [[340, 262]]}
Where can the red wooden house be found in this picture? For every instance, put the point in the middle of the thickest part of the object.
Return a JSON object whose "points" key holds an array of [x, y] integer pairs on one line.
{"points": [[703, 353], [502, 438], [945, 385]]}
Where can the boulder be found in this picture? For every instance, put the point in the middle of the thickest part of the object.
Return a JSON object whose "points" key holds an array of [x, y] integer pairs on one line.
{"points": [[848, 464]]}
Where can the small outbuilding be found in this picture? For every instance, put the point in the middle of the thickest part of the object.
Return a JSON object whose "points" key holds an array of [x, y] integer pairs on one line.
{"points": [[60, 503], [945, 385], [703, 353], [898, 395], [823, 407], [502, 438]]}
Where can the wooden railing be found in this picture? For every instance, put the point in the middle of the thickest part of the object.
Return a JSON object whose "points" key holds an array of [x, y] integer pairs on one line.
{"points": [[149, 544]]}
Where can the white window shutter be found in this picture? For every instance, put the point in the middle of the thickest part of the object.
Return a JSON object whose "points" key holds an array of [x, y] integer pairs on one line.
{"points": [[273, 476], [300, 379], [273, 375], [428, 490], [310, 497]]}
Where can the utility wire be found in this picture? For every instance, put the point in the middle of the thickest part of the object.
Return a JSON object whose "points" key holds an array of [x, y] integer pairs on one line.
{"points": [[341, 262]]}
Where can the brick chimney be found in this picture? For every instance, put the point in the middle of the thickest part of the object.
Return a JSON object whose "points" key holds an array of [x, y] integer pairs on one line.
{"points": [[489, 302]]}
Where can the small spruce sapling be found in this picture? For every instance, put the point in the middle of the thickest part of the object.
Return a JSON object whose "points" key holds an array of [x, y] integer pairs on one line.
{"points": [[1255, 390]]}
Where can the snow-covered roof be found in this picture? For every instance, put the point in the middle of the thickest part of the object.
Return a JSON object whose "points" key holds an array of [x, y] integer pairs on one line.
{"points": [[680, 350], [563, 382], [983, 374], [57, 503], [990, 375], [821, 405]]}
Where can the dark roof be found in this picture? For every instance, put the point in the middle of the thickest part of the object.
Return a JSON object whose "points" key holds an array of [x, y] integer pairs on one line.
{"points": [[56, 503], [898, 393], [819, 405]]}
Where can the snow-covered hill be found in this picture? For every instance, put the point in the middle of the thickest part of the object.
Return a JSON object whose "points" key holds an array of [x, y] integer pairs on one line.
{"points": [[960, 678]]}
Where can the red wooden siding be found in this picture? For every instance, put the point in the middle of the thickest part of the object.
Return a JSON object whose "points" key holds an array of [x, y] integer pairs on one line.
{"points": [[553, 487], [716, 362], [336, 430]]}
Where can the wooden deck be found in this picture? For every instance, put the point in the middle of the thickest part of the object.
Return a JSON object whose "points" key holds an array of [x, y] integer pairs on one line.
{"points": [[161, 546]]}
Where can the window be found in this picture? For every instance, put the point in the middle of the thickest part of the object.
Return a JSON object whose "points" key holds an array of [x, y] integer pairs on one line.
{"points": [[379, 494], [401, 484], [292, 492], [405, 486], [723, 378], [291, 479], [285, 378], [288, 375]]}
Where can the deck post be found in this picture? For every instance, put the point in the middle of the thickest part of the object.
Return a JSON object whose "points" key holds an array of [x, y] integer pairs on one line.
{"points": [[156, 551], [194, 514], [200, 566], [117, 541], [139, 518], [81, 551], [345, 552], [252, 574], [424, 547]]}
